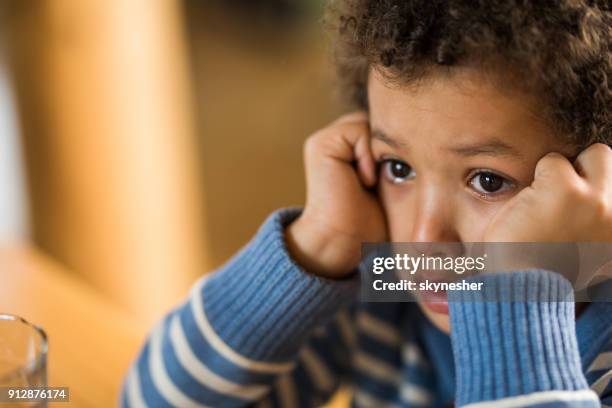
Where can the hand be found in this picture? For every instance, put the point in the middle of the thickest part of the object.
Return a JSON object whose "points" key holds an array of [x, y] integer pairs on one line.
{"points": [[340, 212], [564, 203]]}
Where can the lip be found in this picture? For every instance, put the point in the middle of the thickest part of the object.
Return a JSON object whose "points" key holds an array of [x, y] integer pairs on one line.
{"points": [[437, 307], [437, 302]]}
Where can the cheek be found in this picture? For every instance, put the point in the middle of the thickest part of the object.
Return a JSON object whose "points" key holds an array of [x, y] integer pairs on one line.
{"points": [[473, 218], [399, 206], [468, 216]]}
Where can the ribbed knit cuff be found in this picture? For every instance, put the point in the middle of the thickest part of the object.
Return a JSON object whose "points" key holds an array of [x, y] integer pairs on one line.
{"points": [[264, 305], [514, 347]]}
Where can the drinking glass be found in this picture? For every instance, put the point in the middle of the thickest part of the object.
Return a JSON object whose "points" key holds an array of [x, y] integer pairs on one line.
{"points": [[23, 356]]}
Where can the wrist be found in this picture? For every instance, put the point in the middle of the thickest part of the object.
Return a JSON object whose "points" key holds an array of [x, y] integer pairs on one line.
{"points": [[320, 251], [262, 304], [518, 329]]}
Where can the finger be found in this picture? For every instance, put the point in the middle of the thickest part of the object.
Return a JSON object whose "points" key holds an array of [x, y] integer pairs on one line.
{"points": [[366, 167], [354, 147], [595, 164], [554, 166], [353, 117], [338, 143], [347, 140]]}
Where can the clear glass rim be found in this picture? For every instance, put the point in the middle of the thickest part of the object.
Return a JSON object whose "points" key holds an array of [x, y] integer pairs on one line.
{"points": [[40, 359]]}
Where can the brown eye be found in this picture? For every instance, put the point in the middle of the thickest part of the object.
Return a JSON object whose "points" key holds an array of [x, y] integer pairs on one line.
{"points": [[397, 171], [490, 182], [486, 182]]}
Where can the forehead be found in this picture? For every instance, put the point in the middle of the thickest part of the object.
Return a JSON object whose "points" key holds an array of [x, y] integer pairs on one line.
{"points": [[462, 108]]}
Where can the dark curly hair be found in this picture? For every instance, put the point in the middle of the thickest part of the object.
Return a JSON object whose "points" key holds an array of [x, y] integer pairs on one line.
{"points": [[558, 49]]}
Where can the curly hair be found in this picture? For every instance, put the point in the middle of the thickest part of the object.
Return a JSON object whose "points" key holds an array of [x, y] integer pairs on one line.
{"points": [[558, 49]]}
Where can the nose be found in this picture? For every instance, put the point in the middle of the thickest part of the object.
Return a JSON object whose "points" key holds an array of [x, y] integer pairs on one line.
{"points": [[433, 218]]}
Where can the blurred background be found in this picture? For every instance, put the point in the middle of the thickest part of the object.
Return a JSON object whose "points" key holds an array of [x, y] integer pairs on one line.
{"points": [[142, 143]]}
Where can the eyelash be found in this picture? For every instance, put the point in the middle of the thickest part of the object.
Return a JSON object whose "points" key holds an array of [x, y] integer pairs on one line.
{"points": [[507, 184], [384, 165]]}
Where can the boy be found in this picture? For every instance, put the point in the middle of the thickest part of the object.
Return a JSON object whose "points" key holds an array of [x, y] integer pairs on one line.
{"points": [[470, 113]]}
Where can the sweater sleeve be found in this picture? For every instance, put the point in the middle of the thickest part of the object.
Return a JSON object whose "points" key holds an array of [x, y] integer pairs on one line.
{"points": [[519, 350], [259, 328]]}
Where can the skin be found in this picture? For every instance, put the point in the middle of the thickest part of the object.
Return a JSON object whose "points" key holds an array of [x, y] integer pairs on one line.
{"points": [[440, 137]]}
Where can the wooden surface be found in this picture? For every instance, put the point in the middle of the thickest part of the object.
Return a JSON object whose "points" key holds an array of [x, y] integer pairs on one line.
{"points": [[91, 340]]}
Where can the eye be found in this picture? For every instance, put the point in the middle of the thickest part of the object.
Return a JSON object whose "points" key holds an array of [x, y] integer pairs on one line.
{"points": [[488, 183], [397, 171]]}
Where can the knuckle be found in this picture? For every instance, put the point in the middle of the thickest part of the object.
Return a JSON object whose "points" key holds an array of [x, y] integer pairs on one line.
{"points": [[607, 218], [573, 191], [597, 151], [546, 162], [308, 145], [356, 116], [600, 148], [552, 156], [601, 205], [349, 128], [313, 143]]}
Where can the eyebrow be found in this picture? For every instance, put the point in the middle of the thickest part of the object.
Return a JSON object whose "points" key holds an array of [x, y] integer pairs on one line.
{"points": [[493, 147], [383, 137]]}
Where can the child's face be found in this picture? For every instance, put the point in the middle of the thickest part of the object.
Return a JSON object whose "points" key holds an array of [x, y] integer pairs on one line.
{"points": [[452, 152]]}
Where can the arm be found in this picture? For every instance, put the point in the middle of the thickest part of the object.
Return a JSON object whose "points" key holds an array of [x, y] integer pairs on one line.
{"points": [[520, 351], [523, 352], [241, 334], [242, 330]]}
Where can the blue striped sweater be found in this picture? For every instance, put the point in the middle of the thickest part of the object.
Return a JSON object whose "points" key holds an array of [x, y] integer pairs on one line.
{"points": [[261, 331]]}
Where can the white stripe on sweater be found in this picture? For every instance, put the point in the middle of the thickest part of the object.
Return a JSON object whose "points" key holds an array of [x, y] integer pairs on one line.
{"points": [[376, 368], [382, 371], [363, 399], [197, 307], [285, 388], [599, 386], [412, 355], [415, 395], [545, 397], [201, 373], [316, 368], [347, 330], [601, 362], [160, 377], [378, 329], [134, 393]]}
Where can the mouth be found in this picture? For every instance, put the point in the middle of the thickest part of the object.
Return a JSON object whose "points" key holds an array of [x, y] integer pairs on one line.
{"points": [[437, 302], [434, 300]]}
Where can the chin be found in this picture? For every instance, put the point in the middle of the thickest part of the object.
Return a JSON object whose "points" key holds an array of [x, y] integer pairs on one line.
{"points": [[437, 313]]}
